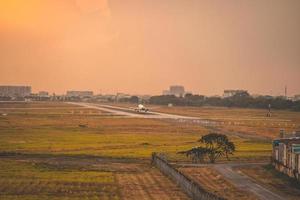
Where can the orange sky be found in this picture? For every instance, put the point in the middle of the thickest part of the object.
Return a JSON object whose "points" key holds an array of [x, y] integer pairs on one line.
{"points": [[143, 46]]}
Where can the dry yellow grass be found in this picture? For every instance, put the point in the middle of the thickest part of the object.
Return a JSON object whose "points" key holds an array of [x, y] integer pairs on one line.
{"points": [[248, 121], [57, 131], [54, 128], [70, 177]]}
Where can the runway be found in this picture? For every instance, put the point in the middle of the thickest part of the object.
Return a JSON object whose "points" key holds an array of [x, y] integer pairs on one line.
{"points": [[120, 111]]}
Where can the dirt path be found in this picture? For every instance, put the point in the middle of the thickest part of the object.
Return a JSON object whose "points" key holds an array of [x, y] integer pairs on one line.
{"points": [[246, 183], [240, 180], [215, 183]]}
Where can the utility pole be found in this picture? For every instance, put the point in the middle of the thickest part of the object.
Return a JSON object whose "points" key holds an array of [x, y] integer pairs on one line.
{"points": [[285, 92]]}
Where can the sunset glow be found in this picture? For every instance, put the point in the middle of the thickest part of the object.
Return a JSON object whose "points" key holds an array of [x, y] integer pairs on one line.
{"points": [[144, 46]]}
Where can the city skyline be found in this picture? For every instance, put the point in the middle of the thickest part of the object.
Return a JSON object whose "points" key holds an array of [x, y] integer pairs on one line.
{"points": [[163, 91], [142, 47]]}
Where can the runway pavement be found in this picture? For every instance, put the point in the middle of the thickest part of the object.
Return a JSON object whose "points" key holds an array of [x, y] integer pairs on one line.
{"points": [[120, 111]]}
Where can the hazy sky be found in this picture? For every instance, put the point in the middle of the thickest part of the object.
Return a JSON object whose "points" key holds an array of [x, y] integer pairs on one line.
{"points": [[143, 46]]}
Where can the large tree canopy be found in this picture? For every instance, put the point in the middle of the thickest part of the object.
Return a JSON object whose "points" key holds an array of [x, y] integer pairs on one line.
{"points": [[214, 146]]}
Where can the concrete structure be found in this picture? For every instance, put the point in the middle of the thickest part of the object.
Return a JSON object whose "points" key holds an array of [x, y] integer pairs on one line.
{"points": [[122, 96], [176, 90], [296, 97], [15, 91], [43, 94], [166, 92], [286, 156], [106, 98], [190, 187], [231, 93], [80, 93], [144, 97]]}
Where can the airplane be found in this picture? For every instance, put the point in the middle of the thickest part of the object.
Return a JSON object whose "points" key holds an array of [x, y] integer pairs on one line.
{"points": [[141, 108]]}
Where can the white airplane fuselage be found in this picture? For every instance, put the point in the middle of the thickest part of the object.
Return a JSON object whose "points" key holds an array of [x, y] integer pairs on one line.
{"points": [[141, 108]]}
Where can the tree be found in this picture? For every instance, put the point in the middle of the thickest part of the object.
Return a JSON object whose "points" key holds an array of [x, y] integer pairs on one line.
{"points": [[215, 146], [241, 100], [218, 145], [134, 99], [229, 148], [197, 154]]}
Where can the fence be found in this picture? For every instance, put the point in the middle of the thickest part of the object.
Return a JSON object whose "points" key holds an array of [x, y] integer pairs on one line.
{"points": [[193, 189]]}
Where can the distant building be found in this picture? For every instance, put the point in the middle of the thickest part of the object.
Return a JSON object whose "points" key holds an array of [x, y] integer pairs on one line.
{"points": [[122, 96], [231, 93], [104, 98], [286, 155], [144, 97], [15, 91], [80, 93], [296, 97], [43, 94], [166, 92], [176, 90]]}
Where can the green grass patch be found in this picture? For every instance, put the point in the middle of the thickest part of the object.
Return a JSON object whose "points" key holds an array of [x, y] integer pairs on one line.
{"points": [[28, 180]]}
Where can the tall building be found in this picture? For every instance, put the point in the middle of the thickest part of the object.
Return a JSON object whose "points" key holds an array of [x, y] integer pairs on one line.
{"points": [[176, 90], [80, 93], [14, 91]]}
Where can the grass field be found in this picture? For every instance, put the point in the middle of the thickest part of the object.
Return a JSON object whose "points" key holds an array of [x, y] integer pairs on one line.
{"points": [[247, 121], [71, 177], [46, 151], [57, 131], [45, 154], [241, 120], [53, 128], [27, 180]]}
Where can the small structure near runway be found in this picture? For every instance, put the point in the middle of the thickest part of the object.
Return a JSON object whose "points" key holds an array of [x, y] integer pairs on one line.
{"points": [[286, 156]]}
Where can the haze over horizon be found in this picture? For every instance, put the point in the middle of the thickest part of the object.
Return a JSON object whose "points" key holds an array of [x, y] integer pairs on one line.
{"points": [[143, 46]]}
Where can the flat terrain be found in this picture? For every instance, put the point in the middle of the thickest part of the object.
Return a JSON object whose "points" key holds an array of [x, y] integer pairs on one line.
{"points": [[73, 152], [253, 122], [81, 131], [57, 128], [245, 121], [130, 112], [73, 177], [63, 151]]}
